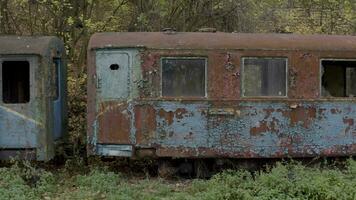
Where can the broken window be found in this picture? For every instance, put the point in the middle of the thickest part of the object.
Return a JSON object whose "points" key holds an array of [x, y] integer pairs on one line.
{"points": [[338, 78], [16, 81], [264, 77], [183, 77]]}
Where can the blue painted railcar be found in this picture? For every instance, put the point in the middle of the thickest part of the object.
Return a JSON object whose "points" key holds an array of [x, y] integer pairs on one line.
{"points": [[221, 95], [32, 96]]}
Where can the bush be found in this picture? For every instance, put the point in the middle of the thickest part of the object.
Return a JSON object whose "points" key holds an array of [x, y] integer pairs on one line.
{"points": [[283, 181]]}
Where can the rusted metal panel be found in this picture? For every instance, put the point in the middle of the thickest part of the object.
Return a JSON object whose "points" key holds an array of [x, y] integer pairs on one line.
{"points": [[304, 75], [223, 68], [91, 104], [150, 83], [114, 121], [219, 40], [224, 75], [146, 124]]}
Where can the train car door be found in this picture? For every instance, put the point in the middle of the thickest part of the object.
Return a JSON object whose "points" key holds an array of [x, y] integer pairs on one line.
{"points": [[113, 90]]}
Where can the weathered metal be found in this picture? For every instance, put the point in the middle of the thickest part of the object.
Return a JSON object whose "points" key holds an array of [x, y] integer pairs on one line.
{"points": [[222, 124], [222, 41], [29, 130]]}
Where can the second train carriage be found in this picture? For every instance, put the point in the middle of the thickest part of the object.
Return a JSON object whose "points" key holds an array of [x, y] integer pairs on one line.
{"points": [[221, 95]]}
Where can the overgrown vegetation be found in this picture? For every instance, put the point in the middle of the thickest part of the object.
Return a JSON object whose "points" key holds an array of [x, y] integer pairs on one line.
{"points": [[283, 181]]}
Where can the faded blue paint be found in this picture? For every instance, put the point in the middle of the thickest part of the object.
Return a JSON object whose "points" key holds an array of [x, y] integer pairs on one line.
{"points": [[17, 130], [115, 150], [330, 125], [113, 83], [325, 131], [58, 104], [188, 128], [94, 139]]}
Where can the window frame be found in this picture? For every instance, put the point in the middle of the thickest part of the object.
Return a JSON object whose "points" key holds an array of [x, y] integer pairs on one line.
{"points": [[185, 58], [242, 89], [33, 61], [320, 77]]}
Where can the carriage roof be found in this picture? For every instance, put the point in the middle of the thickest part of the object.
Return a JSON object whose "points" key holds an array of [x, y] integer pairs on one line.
{"points": [[38, 45], [219, 40]]}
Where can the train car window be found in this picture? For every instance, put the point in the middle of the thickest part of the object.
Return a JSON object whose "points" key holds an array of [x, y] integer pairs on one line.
{"points": [[338, 78], [264, 77], [16, 81], [183, 77]]}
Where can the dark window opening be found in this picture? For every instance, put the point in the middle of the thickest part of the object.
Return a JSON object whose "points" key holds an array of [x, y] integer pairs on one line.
{"points": [[264, 77], [338, 78], [183, 77], [16, 81]]}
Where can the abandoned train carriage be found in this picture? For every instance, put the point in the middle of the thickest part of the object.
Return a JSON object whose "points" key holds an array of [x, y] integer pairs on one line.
{"points": [[226, 95], [33, 96]]}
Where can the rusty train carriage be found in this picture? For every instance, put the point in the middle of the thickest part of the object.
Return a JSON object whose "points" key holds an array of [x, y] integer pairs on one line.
{"points": [[263, 95], [32, 96]]}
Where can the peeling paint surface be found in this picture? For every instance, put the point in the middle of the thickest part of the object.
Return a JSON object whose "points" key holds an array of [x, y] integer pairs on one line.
{"points": [[181, 124], [114, 124], [261, 129]]}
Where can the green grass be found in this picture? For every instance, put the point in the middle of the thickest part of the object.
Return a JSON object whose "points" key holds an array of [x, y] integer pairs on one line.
{"points": [[283, 181]]}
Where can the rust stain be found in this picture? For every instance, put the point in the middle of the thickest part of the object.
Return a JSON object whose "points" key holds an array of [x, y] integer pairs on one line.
{"points": [[350, 122], [150, 73], [228, 63], [150, 61], [170, 115], [268, 112], [300, 115], [179, 113], [145, 123], [114, 123], [304, 70], [227, 79], [264, 127]]}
